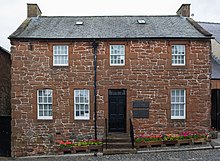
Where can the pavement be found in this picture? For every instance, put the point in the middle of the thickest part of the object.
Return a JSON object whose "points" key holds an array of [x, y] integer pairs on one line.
{"points": [[201, 152], [215, 143]]}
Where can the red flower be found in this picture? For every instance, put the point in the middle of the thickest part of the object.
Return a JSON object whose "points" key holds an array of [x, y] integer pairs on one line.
{"points": [[68, 143]]}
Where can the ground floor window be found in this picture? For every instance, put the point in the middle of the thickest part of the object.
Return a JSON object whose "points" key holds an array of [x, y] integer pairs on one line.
{"points": [[81, 104], [44, 104], [178, 104]]}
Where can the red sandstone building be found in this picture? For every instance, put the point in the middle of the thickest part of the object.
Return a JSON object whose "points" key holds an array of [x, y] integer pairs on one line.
{"points": [[5, 103], [214, 29], [77, 76]]}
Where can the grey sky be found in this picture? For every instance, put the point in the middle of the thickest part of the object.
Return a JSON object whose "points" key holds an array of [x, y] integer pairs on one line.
{"points": [[13, 12]]}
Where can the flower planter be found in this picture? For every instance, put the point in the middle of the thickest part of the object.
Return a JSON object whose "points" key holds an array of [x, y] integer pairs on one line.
{"points": [[154, 143], [184, 142], [95, 148], [140, 145], [78, 149], [169, 142], [65, 151], [199, 141]]}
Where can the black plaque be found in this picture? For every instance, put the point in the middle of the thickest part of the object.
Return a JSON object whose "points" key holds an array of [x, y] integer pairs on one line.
{"points": [[141, 113], [140, 104]]}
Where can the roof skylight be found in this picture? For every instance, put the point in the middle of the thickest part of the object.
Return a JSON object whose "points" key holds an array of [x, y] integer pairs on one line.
{"points": [[79, 23], [141, 21]]}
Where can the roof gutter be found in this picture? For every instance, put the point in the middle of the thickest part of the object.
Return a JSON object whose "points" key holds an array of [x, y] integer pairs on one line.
{"points": [[112, 38]]}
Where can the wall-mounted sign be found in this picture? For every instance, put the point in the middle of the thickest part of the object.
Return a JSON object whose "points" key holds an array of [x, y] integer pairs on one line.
{"points": [[141, 113], [141, 104]]}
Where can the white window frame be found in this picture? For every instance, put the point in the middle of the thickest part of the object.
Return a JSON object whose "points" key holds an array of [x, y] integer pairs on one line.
{"points": [[59, 53], [178, 102], [43, 103], [120, 55], [180, 54], [81, 102]]}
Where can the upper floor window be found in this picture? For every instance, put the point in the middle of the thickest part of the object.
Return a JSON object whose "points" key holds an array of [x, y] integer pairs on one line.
{"points": [[178, 54], [60, 55], [81, 104], [117, 54], [178, 104], [44, 104]]}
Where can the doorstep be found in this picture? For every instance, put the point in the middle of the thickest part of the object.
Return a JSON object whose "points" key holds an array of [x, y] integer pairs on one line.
{"points": [[215, 143]]}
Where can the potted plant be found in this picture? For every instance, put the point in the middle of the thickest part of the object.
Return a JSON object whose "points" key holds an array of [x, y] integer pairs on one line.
{"points": [[65, 146], [184, 138], [148, 141], [170, 139]]}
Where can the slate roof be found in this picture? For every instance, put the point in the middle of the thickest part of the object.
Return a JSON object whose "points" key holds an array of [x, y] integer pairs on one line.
{"points": [[215, 67], [213, 28], [56, 27], [4, 50]]}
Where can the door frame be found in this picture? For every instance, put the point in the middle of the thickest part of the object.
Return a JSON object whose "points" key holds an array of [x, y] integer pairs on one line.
{"points": [[125, 109], [215, 109], [6, 135]]}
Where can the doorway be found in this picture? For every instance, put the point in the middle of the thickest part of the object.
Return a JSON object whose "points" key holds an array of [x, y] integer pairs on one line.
{"points": [[215, 112], [5, 136], [117, 110]]}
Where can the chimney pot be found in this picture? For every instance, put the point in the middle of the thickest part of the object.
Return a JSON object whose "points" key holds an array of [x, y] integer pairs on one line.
{"points": [[33, 10], [184, 10]]}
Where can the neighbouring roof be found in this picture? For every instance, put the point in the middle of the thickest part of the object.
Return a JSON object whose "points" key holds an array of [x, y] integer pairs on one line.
{"points": [[56, 27], [215, 67], [4, 50], [213, 28]]}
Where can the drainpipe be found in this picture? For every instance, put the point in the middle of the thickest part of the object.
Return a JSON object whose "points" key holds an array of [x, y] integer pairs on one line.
{"points": [[95, 45]]}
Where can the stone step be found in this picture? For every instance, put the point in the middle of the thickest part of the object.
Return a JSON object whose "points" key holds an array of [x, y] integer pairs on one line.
{"points": [[119, 145], [119, 151], [118, 135], [125, 140]]}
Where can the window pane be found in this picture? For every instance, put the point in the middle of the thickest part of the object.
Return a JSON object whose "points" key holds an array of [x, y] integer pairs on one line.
{"points": [[172, 113], [77, 99], [181, 112], [40, 93], [176, 113], [82, 107], [45, 100], [77, 107], [40, 113], [40, 107], [81, 100], [40, 100], [86, 108], [49, 99]]}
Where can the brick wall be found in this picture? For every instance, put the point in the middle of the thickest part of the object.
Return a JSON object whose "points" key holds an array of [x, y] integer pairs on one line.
{"points": [[147, 75], [5, 83]]}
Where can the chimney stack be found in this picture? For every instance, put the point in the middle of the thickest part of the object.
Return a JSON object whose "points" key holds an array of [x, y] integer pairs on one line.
{"points": [[184, 10], [33, 10]]}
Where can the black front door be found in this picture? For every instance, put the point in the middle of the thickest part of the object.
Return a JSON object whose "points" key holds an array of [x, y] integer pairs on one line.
{"points": [[117, 110], [215, 113], [5, 135]]}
